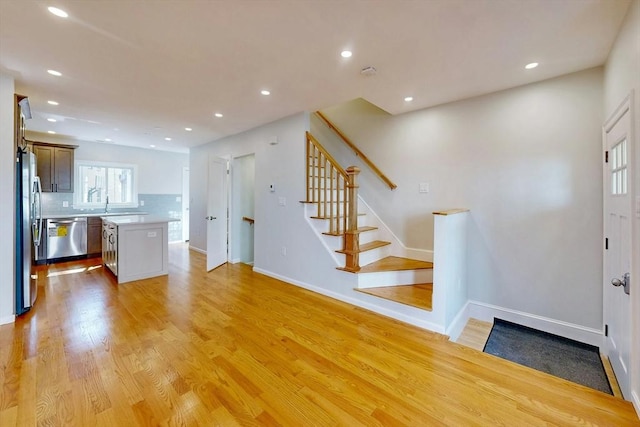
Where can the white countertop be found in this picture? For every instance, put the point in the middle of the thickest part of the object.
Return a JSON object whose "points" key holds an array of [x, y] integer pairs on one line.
{"points": [[89, 214], [137, 219]]}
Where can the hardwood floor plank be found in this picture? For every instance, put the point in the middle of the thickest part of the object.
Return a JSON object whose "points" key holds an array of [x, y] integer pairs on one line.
{"points": [[233, 347]]}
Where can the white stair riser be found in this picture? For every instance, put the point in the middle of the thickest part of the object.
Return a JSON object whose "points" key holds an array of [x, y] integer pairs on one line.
{"points": [[368, 236], [390, 278], [333, 242], [373, 255]]}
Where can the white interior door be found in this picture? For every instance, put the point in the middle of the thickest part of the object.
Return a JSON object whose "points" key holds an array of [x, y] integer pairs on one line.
{"points": [[217, 208], [617, 222]]}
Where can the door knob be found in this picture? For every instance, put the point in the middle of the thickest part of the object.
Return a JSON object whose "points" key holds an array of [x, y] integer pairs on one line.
{"points": [[210, 218], [625, 282]]}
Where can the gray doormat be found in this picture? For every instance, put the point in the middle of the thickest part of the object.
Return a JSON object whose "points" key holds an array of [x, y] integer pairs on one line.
{"points": [[555, 355]]}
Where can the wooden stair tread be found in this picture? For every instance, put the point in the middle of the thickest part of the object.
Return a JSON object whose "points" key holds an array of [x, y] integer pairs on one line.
{"points": [[418, 295], [328, 217], [341, 233], [366, 247], [394, 263]]}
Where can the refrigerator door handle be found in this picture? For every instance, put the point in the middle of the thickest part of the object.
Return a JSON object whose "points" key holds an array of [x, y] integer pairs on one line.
{"points": [[38, 216]]}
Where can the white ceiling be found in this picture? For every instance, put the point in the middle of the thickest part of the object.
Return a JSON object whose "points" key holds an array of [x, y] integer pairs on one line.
{"points": [[138, 71]]}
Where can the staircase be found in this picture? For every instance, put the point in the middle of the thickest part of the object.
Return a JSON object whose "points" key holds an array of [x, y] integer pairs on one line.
{"points": [[359, 241]]}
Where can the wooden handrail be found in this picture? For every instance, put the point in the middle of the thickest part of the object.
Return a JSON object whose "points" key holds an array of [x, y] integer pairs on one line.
{"points": [[356, 150], [335, 193], [329, 157]]}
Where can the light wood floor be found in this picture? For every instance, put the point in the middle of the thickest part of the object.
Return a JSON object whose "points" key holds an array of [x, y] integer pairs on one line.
{"points": [[233, 347]]}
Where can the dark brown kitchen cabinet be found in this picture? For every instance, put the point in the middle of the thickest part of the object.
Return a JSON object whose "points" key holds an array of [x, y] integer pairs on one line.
{"points": [[55, 167], [94, 236]]}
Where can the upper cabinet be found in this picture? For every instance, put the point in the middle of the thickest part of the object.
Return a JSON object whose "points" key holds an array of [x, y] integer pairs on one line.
{"points": [[55, 167]]}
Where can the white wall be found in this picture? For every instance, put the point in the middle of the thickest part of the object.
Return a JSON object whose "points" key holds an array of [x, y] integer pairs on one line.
{"points": [[526, 162], [160, 172], [7, 203], [622, 75]]}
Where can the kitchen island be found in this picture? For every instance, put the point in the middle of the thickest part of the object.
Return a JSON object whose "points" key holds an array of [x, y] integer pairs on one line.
{"points": [[136, 247]]}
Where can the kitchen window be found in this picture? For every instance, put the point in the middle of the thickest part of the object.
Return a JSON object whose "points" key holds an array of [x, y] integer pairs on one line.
{"points": [[95, 181]]}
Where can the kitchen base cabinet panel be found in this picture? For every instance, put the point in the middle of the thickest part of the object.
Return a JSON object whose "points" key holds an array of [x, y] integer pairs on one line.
{"points": [[142, 252], [137, 246]]}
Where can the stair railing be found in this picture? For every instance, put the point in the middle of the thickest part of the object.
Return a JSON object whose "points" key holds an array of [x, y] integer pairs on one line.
{"points": [[356, 150], [335, 193]]}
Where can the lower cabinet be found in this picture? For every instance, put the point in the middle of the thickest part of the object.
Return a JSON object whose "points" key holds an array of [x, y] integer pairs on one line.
{"points": [[94, 236], [135, 247], [110, 247]]}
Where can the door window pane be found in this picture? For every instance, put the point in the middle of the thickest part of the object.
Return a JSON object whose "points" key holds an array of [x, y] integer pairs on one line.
{"points": [[619, 168]]}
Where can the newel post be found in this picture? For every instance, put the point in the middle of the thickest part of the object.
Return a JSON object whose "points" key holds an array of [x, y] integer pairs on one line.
{"points": [[351, 240], [352, 190]]}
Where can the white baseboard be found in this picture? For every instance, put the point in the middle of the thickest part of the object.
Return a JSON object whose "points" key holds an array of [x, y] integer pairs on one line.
{"points": [[458, 323], [635, 399], [7, 319], [193, 248], [486, 312], [357, 302]]}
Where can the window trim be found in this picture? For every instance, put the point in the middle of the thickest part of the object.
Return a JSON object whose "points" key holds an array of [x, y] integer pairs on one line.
{"points": [[77, 197]]}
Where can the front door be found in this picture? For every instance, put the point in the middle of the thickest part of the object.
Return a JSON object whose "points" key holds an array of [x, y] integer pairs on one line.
{"points": [[217, 213], [617, 259]]}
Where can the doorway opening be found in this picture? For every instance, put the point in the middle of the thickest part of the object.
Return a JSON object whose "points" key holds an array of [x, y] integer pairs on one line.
{"points": [[243, 209]]}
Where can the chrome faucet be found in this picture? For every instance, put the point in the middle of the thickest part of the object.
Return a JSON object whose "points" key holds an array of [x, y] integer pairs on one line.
{"points": [[106, 205]]}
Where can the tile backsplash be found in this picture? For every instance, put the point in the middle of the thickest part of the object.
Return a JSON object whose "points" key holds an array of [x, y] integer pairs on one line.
{"points": [[168, 205]]}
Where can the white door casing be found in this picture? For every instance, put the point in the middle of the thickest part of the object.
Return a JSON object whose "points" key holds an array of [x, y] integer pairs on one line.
{"points": [[217, 209], [186, 201], [617, 308]]}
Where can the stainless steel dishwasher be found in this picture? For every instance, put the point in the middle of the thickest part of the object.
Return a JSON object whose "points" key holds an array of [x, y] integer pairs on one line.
{"points": [[66, 237]]}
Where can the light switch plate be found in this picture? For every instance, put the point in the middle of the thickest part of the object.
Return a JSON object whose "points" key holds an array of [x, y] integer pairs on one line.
{"points": [[423, 187], [272, 188], [65, 204], [282, 201]]}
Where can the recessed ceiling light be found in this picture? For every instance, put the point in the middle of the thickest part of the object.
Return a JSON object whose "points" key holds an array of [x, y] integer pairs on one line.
{"points": [[218, 115], [167, 139], [52, 102], [51, 132], [58, 12], [265, 92], [188, 129], [108, 139], [52, 120], [54, 73], [531, 65], [408, 98], [152, 146], [346, 54]]}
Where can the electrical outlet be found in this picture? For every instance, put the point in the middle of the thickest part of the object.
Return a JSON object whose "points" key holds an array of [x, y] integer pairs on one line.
{"points": [[65, 204], [141, 202], [284, 251], [423, 187], [282, 201]]}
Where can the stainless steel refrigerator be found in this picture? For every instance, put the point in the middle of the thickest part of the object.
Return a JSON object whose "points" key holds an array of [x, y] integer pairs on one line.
{"points": [[28, 229]]}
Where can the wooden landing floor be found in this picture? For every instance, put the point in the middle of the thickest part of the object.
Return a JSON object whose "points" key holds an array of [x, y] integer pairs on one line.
{"points": [[233, 347], [419, 296], [393, 263]]}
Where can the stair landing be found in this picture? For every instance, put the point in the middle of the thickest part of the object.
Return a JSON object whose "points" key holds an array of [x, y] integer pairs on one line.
{"points": [[419, 295], [394, 263]]}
